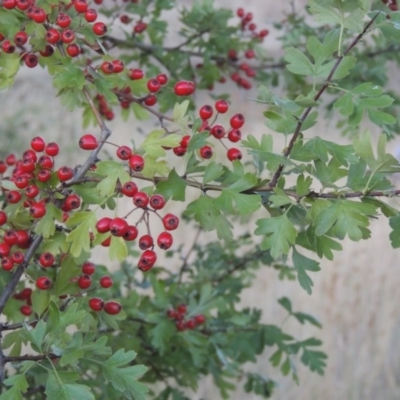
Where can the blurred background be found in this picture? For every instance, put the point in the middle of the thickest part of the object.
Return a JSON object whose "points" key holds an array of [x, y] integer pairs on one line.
{"points": [[356, 297]]}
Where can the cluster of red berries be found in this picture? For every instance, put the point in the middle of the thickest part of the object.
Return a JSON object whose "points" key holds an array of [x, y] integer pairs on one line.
{"points": [[58, 30], [392, 4], [26, 296], [181, 323], [246, 23], [138, 27], [233, 134]]}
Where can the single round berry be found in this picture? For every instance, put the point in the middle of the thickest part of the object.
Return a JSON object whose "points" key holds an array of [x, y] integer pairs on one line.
{"points": [[129, 189], [136, 162], [96, 304], [88, 142], [184, 88], [20, 38], [84, 281], [39, 15], [145, 242], [72, 202], [180, 151], [234, 154], [4, 249], [150, 100], [38, 144], [157, 202], [162, 79], [218, 131], [53, 36], [171, 313], [13, 197], [103, 225], [68, 36], [240, 12], [46, 259], [73, 50], [107, 67], [124, 152], [164, 240], [118, 227], [106, 282], [24, 239], [206, 112], [22, 5], [147, 260], [206, 152], [181, 309], [26, 310], [88, 268], [31, 60], [21, 181], [90, 15], [99, 28], [170, 222], [10, 237], [43, 175], [44, 283], [63, 20], [29, 155], [153, 85], [9, 4], [234, 135], [52, 149], [118, 66], [221, 106], [31, 191], [131, 233], [80, 5], [17, 257], [37, 210], [65, 173], [180, 326], [7, 264], [237, 121], [3, 217], [136, 73], [200, 319], [140, 27], [112, 307], [185, 141], [191, 324], [140, 199], [8, 47]]}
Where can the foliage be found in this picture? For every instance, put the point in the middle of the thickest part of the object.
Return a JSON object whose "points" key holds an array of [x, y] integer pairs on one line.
{"points": [[161, 326]]}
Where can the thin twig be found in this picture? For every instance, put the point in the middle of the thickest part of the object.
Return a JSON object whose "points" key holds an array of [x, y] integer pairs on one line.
{"points": [[189, 252]]}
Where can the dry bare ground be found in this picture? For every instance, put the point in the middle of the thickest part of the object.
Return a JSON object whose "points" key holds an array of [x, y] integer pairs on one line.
{"points": [[355, 297]]}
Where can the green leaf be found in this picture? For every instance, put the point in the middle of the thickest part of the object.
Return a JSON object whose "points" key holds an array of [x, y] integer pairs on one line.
{"points": [[124, 378], [198, 140], [154, 168], [394, 235], [71, 76], [156, 140], [113, 172], [303, 264], [298, 63], [280, 234], [35, 335], [18, 385], [57, 388], [9, 63], [179, 112], [85, 222], [315, 360], [174, 187], [118, 249], [212, 172], [40, 301], [46, 225], [161, 334]]}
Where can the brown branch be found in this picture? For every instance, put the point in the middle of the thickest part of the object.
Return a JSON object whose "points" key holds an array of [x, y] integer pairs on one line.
{"points": [[307, 111], [27, 357]]}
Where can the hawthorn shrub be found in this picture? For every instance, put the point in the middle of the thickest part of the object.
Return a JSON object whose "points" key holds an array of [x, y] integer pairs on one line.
{"points": [[75, 329]]}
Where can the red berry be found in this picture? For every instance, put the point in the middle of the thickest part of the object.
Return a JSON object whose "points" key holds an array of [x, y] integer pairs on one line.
{"points": [[179, 151], [240, 12], [153, 85], [191, 324], [53, 36], [7, 264], [29, 155], [68, 36], [221, 106], [131, 233], [234, 154], [90, 15], [73, 50], [140, 199], [107, 67], [118, 66], [22, 5], [31, 191], [250, 53], [206, 112], [13, 196], [3, 167], [200, 319], [80, 5], [31, 60], [129, 189], [106, 242], [11, 159], [184, 88], [84, 281], [96, 304], [157, 202], [106, 282], [26, 310], [3, 217], [263, 33], [8, 47], [46, 259], [139, 27], [180, 326], [147, 260], [4, 249], [20, 38], [28, 165], [112, 307], [234, 135], [162, 79], [23, 239], [47, 52], [99, 28], [185, 141], [218, 131], [171, 313], [39, 15], [145, 242], [9, 4], [125, 19], [170, 222], [103, 225], [206, 152], [237, 121], [38, 144], [45, 162], [136, 162], [135, 73], [88, 268], [17, 257], [164, 240], [150, 100], [21, 181], [118, 227], [51, 149], [63, 21], [88, 142], [44, 283], [124, 152], [65, 173], [37, 210], [72, 202], [44, 175], [182, 309]]}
